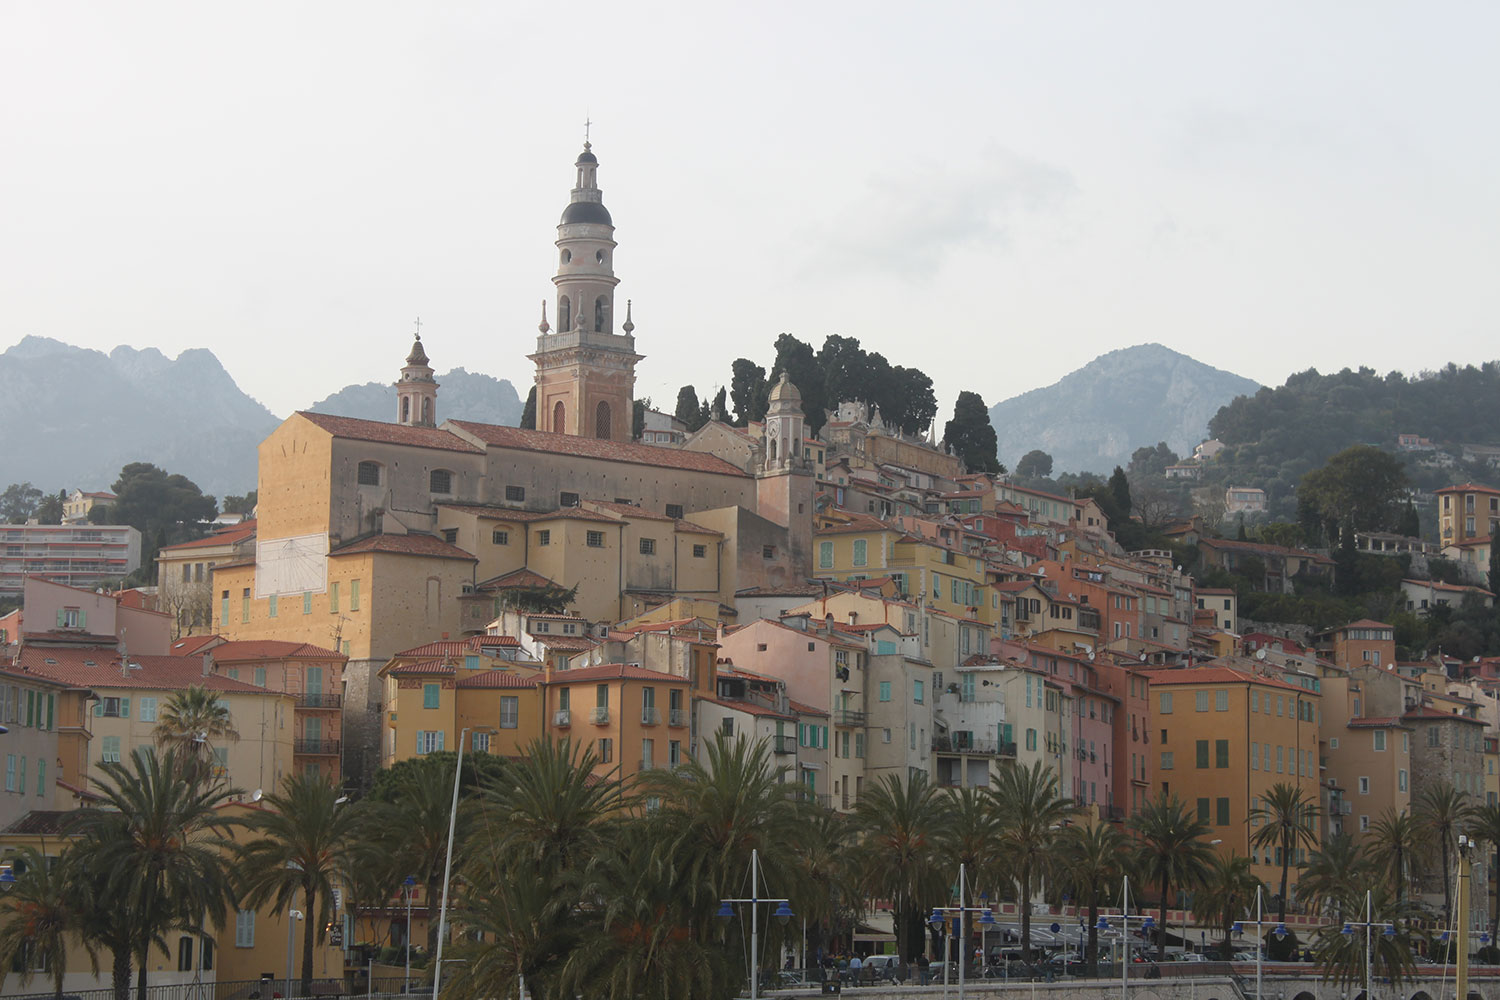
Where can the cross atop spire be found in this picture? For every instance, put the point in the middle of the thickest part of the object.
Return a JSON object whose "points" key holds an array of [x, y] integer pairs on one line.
{"points": [[419, 328], [587, 124]]}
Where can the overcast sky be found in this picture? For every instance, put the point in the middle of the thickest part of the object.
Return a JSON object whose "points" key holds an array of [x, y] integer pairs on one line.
{"points": [[993, 192]]}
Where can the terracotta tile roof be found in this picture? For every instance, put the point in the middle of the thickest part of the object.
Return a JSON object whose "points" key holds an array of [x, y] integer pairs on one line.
{"points": [[609, 451], [404, 545], [1217, 675], [47, 822], [1450, 587], [269, 649], [101, 496], [784, 591], [1277, 550], [1427, 712], [614, 671], [1467, 488], [459, 647], [1374, 723], [749, 708], [858, 522], [1362, 623], [804, 709], [491, 679], [1215, 590], [156, 673], [427, 667], [190, 644], [224, 536], [522, 577], [11, 671], [564, 643], [355, 429]]}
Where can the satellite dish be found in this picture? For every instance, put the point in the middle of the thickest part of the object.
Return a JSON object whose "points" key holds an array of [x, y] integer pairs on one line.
{"points": [[1260, 654], [1143, 657], [257, 796]]}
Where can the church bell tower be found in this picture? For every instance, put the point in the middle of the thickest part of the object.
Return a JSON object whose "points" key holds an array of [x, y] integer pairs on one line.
{"points": [[416, 391], [585, 368]]}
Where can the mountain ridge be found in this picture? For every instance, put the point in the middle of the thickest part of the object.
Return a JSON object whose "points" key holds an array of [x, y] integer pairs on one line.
{"points": [[1091, 419]]}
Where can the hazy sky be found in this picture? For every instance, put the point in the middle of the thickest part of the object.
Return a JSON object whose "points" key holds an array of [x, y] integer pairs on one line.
{"points": [[992, 192]]}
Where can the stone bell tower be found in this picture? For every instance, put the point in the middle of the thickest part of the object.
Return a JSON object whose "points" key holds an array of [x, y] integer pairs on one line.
{"points": [[585, 369], [416, 390]]}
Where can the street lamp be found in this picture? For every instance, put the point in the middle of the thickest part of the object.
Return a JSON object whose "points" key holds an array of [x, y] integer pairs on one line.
{"points": [[292, 916], [1389, 930], [939, 918], [782, 913], [1146, 924], [437, 970], [1260, 942], [407, 888]]}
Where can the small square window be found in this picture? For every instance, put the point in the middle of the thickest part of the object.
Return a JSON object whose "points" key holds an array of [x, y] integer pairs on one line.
{"points": [[768, 551], [515, 494], [594, 539], [700, 551], [674, 510], [450, 535], [500, 537], [440, 481], [544, 537], [648, 546], [369, 473], [568, 500]]}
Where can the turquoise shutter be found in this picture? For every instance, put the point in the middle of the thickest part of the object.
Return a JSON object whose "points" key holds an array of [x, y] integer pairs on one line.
{"points": [[60, 619], [98, 708], [124, 708], [51, 703], [83, 618]]}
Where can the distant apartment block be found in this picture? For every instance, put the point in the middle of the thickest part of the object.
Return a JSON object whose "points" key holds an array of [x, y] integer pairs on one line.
{"points": [[1244, 500], [78, 555]]}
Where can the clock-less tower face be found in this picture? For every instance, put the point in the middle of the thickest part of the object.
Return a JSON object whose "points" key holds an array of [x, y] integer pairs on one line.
{"points": [[585, 367]]}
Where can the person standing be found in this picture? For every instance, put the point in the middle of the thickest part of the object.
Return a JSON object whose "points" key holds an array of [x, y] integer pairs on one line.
{"points": [[924, 968]]}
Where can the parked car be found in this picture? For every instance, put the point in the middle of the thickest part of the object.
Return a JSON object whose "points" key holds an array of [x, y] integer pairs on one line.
{"points": [[884, 967]]}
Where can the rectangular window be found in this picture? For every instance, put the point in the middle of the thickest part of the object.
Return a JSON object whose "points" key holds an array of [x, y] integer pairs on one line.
{"points": [[10, 770], [1203, 813], [648, 546], [916, 691], [245, 605], [544, 537], [431, 695], [859, 744], [515, 494], [1201, 701], [353, 595], [1400, 781], [510, 711], [674, 510], [1221, 701], [1030, 739], [41, 776], [148, 709], [307, 602], [885, 690], [594, 539], [429, 741], [498, 537], [1221, 753], [1201, 746], [825, 555], [566, 499], [861, 552], [1364, 786], [1255, 756], [1166, 760], [700, 551], [260, 677], [606, 750], [1255, 701], [1280, 760], [333, 598], [1166, 703], [111, 750], [244, 929], [1221, 812], [1379, 739], [271, 607]]}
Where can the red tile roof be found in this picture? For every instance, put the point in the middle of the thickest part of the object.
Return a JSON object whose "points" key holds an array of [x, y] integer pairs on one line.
{"points": [[1428, 712], [609, 451], [499, 679], [1467, 488], [355, 429], [749, 708], [404, 545], [1362, 623], [459, 647], [224, 536], [156, 673], [522, 577], [1217, 675], [190, 644], [1374, 723], [857, 522], [803, 709], [269, 649], [614, 671]]}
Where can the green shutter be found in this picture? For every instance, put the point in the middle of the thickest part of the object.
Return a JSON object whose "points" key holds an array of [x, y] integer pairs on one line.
{"points": [[420, 734], [83, 618], [98, 707], [61, 620], [124, 708], [31, 708], [51, 703]]}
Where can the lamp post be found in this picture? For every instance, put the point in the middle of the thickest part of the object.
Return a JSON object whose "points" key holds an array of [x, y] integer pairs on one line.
{"points": [[458, 771], [407, 888], [783, 913], [292, 916], [1146, 924], [1389, 930], [939, 918], [1260, 943]]}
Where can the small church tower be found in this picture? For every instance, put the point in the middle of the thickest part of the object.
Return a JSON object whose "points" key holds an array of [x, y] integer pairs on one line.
{"points": [[784, 482], [585, 369], [416, 392]]}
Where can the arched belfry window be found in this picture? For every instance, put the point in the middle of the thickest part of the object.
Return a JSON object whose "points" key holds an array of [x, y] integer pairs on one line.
{"points": [[602, 422], [426, 409], [564, 315], [599, 309], [557, 419], [406, 409]]}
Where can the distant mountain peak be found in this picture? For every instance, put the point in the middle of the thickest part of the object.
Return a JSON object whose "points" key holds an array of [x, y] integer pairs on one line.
{"points": [[1091, 419]]}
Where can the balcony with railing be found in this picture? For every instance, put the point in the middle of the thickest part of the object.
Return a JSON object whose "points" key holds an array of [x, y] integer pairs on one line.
{"points": [[599, 716], [562, 717], [677, 717], [317, 748], [316, 701], [650, 716], [977, 748], [783, 744], [848, 717]]}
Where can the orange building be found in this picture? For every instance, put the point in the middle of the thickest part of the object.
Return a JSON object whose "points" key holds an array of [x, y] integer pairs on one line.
{"points": [[1364, 643], [635, 719]]}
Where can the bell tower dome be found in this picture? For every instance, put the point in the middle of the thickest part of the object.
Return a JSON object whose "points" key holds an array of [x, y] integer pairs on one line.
{"points": [[585, 368], [416, 391]]}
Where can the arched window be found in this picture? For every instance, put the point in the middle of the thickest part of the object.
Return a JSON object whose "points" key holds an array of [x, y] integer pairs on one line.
{"points": [[440, 481], [406, 409], [773, 451], [369, 474], [564, 315], [567, 256], [599, 309], [601, 422], [426, 409], [557, 419]]}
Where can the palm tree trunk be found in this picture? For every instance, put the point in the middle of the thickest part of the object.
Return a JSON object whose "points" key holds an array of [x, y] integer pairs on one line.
{"points": [[1286, 864], [1025, 907], [1447, 892], [1400, 877], [307, 940], [140, 978], [120, 972], [1092, 956], [1161, 928]]}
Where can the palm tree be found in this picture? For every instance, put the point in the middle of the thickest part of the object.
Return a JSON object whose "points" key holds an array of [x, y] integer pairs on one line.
{"points": [[1333, 875], [1227, 893], [969, 841], [900, 827], [1172, 850], [1286, 820], [526, 927], [301, 839], [1091, 860], [823, 891], [1342, 956], [547, 811], [38, 915], [1032, 810], [1484, 826], [1395, 840], [155, 857], [191, 721], [1442, 812]]}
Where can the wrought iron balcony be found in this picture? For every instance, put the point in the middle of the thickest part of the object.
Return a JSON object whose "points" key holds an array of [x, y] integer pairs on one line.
{"points": [[978, 748], [650, 716], [600, 716], [306, 700], [783, 744], [677, 717], [562, 717], [848, 717], [321, 748]]}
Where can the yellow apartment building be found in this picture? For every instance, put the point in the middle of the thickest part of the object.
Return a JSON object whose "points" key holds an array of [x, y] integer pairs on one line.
{"points": [[858, 546], [1225, 736], [635, 719]]}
